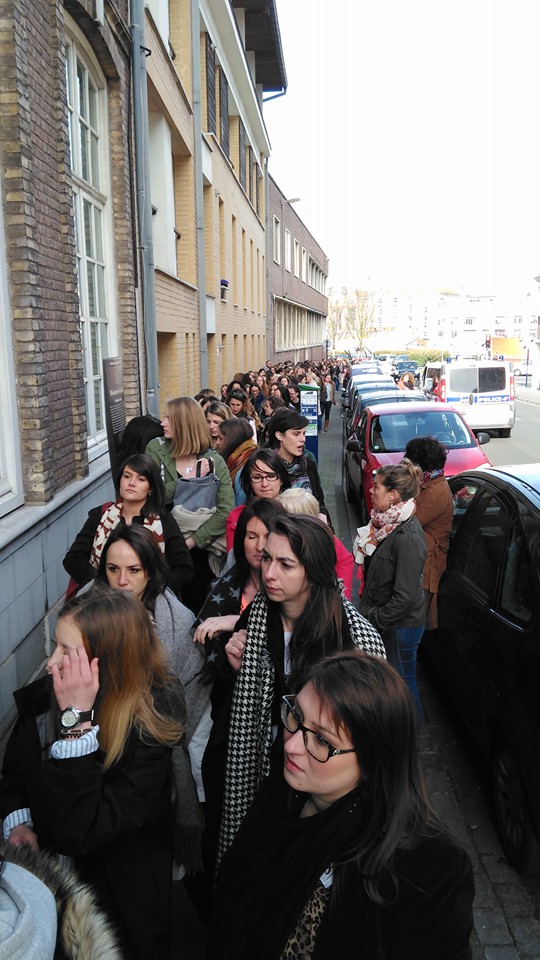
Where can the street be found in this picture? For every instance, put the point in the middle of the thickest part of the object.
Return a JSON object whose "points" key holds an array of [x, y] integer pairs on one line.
{"points": [[507, 905]]}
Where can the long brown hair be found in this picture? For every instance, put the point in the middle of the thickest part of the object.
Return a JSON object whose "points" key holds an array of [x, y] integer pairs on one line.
{"points": [[116, 628]]}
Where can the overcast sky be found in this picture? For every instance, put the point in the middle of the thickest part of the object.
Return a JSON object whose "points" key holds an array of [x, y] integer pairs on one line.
{"points": [[411, 132]]}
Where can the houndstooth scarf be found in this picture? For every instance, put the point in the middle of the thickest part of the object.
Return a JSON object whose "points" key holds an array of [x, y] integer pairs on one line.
{"points": [[250, 725]]}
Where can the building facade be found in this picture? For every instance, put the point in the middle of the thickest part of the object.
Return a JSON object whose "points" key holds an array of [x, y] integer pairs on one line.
{"points": [[298, 273], [127, 197]]}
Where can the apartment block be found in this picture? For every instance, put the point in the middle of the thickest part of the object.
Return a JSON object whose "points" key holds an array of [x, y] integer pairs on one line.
{"points": [[298, 273]]}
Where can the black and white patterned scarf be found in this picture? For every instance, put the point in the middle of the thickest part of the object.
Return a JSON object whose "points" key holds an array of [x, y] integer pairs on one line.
{"points": [[250, 725]]}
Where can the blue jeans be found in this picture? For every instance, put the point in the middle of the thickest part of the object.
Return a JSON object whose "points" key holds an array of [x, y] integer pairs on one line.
{"points": [[408, 642]]}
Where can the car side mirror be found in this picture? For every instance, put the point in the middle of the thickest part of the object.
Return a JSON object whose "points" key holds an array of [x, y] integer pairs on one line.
{"points": [[483, 437], [354, 446], [428, 384]]}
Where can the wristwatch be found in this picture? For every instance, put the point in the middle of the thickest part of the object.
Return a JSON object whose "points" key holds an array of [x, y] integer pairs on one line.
{"points": [[71, 717]]}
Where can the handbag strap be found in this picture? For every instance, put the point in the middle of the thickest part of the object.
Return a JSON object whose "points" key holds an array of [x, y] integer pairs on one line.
{"points": [[199, 464]]}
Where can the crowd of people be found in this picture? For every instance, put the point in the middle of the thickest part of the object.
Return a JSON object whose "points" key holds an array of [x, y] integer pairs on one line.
{"points": [[227, 705]]}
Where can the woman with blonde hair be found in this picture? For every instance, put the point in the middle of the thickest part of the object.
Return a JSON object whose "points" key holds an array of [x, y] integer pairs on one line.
{"points": [[299, 501], [87, 767], [393, 596], [184, 453]]}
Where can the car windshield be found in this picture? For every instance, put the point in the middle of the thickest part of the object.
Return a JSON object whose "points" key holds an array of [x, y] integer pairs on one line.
{"points": [[391, 432]]}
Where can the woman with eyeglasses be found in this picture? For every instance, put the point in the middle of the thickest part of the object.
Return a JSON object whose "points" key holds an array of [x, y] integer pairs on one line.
{"points": [[264, 476], [341, 853], [296, 618]]}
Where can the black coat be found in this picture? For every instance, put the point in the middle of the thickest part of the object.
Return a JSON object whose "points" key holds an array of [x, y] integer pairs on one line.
{"points": [[77, 559], [116, 823]]}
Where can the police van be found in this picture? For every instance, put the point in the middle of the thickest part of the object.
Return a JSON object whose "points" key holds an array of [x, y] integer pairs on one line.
{"points": [[482, 390]]}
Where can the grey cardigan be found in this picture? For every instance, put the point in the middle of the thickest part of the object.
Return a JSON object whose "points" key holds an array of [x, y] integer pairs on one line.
{"points": [[173, 622]]}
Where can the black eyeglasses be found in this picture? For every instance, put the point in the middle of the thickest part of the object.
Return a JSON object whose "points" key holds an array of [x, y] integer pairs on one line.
{"points": [[316, 745], [259, 477]]}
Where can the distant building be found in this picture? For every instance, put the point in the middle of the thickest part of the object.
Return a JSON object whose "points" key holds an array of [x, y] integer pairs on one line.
{"points": [[297, 277]]}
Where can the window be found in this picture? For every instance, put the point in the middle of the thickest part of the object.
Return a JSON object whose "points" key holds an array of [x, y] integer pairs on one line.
{"points": [[277, 240], [224, 113], [304, 265], [11, 493], [288, 251], [479, 547], [296, 258], [517, 594], [88, 140]]}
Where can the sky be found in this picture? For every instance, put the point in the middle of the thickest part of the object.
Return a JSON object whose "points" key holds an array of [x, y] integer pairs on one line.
{"points": [[410, 130]]}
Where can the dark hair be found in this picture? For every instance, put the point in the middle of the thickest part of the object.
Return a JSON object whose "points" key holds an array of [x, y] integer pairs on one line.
{"points": [[368, 698], [143, 464], [283, 392], [283, 420], [427, 452], [237, 395], [205, 394], [270, 459], [275, 402], [404, 478], [267, 511], [152, 560], [235, 432], [318, 630], [138, 434]]}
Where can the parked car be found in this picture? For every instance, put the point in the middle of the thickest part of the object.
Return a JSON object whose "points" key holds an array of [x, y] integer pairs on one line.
{"points": [[520, 369], [392, 395], [384, 431], [363, 385], [405, 366], [487, 648], [482, 390]]}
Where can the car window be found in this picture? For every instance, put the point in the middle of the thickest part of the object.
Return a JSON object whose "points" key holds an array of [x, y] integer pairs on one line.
{"points": [[491, 379], [463, 381], [391, 432], [478, 550], [517, 592], [463, 494]]}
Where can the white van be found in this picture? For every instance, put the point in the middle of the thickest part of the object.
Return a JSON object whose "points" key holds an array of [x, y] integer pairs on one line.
{"points": [[482, 390]]}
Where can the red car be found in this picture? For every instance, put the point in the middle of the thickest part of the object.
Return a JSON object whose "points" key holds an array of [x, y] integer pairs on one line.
{"points": [[384, 431]]}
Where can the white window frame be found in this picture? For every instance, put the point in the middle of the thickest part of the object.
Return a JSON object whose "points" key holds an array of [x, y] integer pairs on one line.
{"points": [[94, 233], [11, 485], [288, 247], [276, 240], [296, 258]]}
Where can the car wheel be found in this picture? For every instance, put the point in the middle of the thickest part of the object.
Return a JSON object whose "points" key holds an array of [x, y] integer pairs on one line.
{"points": [[505, 432], [519, 838]]}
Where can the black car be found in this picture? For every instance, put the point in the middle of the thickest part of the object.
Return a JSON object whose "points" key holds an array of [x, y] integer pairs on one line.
{"points": [[487, 647], [405, 366]]}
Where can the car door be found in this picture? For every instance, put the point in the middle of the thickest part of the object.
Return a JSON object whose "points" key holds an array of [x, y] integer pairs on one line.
{"points": [[511, 678], [468, 595]]}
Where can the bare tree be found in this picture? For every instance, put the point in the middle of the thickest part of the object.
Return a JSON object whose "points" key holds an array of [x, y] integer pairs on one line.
{"points": [[360, 317]]}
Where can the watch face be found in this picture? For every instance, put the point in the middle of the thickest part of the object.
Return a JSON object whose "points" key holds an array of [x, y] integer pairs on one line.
{"points": [[69, 717]]}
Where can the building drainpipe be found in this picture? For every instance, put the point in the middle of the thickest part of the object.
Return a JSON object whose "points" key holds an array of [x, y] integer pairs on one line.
{"points": [[144, 202], [199, 195], [269, 340]]}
